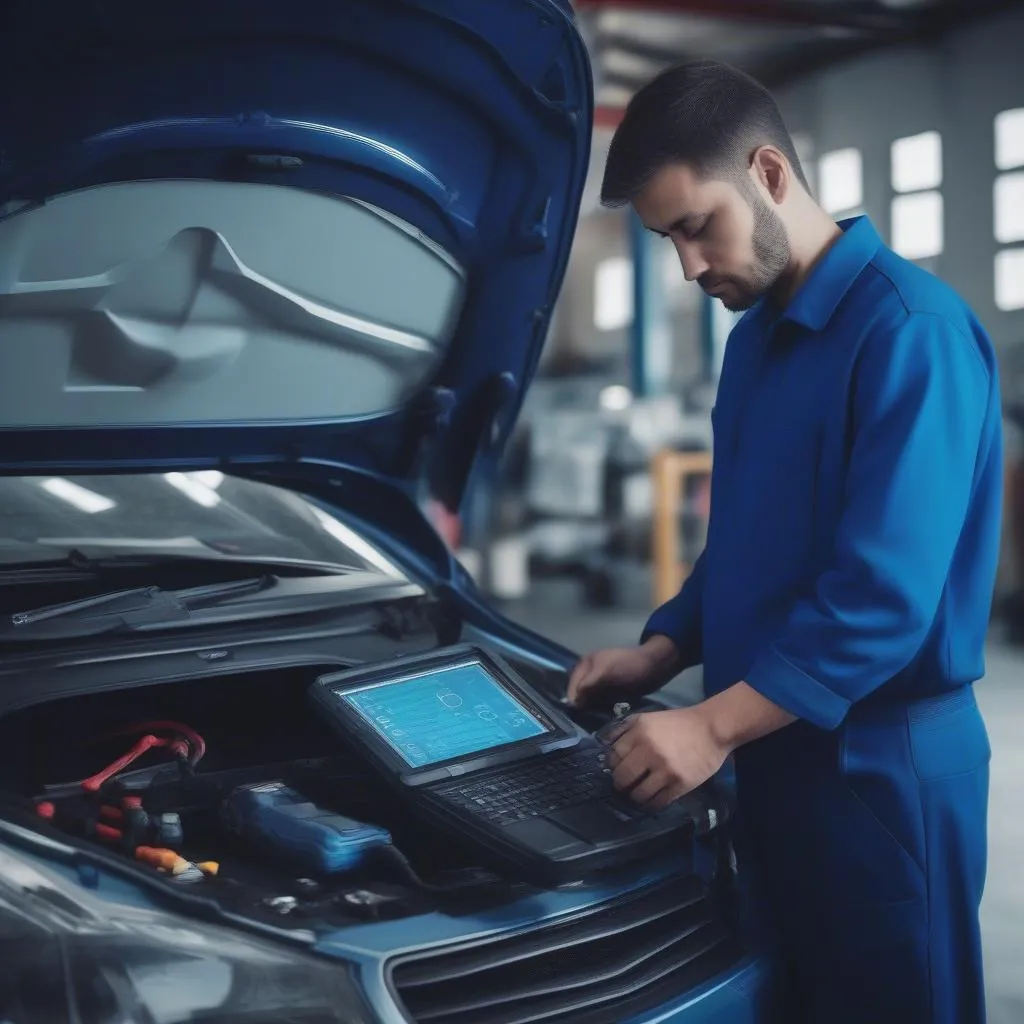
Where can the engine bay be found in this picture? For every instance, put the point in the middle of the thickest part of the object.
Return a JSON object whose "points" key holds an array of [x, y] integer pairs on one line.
{"points": [[210, 785], [150, 774]]}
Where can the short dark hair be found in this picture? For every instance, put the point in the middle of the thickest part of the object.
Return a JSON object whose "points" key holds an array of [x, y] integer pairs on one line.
{"points": [[702, 113]]}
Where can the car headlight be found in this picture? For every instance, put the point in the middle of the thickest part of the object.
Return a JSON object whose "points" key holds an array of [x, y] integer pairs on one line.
{"points": [[68, 956]]}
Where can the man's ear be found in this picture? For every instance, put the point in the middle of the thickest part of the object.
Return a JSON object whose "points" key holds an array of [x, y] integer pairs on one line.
{"points": [[770, 169]]}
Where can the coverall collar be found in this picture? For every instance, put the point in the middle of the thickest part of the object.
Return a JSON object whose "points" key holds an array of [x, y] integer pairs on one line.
{"points": [[827, 284]]}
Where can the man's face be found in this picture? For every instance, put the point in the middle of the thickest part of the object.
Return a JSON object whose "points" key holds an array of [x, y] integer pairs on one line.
{"points": [[729, 240]]}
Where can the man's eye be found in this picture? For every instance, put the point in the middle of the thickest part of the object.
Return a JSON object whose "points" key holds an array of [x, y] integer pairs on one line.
{"points": [[702, 230]]}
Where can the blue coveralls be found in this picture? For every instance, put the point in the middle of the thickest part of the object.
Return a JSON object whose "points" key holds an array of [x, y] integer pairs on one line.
{"points": [[848, 577]]}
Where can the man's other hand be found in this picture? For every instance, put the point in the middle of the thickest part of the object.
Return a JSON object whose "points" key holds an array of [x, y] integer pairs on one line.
{"points": [[659, 756], [622, 672]]}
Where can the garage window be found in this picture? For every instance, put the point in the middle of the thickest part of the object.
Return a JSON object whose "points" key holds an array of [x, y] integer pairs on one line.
{"points": [[1008, 205], [1008, 209], [1009, 279], [917, 162], [916, 214], [1009, 128], [841, 182]]}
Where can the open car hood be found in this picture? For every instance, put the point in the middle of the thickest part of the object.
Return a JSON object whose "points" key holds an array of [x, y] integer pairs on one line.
{"points": [[322, 233]]}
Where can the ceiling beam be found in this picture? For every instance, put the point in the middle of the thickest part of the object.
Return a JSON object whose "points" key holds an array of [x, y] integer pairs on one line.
{"points": [[774, 65], [804, 13]]}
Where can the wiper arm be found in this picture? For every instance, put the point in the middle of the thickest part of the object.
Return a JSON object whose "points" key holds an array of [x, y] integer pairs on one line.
{"points": [[141, 600], [152, 609], [77, 564], [54, 611], [156, 559]]}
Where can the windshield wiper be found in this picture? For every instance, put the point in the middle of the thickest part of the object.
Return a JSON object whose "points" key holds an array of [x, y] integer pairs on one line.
{"points": [[78, 564], [142, 599], [152, 609]]}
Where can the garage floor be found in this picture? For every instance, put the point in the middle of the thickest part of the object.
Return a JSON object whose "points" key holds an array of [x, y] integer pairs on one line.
{"points": [[554, 610]]}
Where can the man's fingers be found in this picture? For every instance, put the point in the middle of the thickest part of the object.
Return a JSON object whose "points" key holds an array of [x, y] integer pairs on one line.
{"points": [[612, 734], [623, 737], [668, 795], [579, 678], [649, 789], [630, 770]]}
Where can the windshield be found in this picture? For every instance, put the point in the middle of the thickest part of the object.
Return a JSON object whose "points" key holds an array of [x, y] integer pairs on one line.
{"points": [[181, 513]]}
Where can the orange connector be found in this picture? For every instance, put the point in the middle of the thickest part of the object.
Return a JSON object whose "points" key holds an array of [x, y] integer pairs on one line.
{"points": [[165, 860]]}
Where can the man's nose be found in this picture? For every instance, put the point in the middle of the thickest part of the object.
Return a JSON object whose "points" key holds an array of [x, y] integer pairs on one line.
{"points": [[693, 264]]}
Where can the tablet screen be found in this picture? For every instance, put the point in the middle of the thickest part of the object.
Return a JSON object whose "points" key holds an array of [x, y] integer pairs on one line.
{"points": [[443, 713]]}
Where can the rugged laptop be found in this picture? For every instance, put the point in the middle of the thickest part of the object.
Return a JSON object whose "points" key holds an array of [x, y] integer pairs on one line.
{"points": [[476, 752]]}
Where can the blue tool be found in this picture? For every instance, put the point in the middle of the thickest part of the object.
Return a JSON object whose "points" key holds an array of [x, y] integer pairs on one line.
{"points": [[279, 821]]}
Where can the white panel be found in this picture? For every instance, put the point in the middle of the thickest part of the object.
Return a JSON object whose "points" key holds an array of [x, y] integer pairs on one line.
{"points": [[1008, 205], [841, 180], [171, 302], [613, 293], [804, 146], [672, 279], [1009, 131], [1009, 280], [917, 162], [917, 225]]}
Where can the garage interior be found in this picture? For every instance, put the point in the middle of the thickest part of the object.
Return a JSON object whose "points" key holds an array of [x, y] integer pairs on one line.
{"points": [[911, 111]]}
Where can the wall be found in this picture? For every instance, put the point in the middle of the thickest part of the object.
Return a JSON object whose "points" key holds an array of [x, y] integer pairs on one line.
{"points": [[956, 87], [603, 234]]}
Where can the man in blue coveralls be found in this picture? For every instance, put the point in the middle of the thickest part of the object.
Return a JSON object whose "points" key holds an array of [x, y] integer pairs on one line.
{"points": [[841, 604]]}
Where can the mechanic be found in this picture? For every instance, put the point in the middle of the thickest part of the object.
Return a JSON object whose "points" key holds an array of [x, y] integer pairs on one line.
{"points": [[841, 604]]}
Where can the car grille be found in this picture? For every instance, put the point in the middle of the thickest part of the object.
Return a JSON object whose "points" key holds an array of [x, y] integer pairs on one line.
{"points": [[600, 967]]}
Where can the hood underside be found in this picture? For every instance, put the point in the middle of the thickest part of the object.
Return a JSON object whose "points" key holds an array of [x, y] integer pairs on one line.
{"points": [[328, 232]]}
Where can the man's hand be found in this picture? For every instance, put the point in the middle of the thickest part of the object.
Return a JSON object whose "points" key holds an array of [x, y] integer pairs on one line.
{"points": [[623, 672], [660, 756]]}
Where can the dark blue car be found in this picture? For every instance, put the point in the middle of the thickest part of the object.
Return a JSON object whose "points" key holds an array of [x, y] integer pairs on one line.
{"points": [[273, 275]]}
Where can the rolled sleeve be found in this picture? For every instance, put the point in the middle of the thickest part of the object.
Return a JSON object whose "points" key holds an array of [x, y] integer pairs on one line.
{"points": [[681, 619], [920, 401], [792, 689]]}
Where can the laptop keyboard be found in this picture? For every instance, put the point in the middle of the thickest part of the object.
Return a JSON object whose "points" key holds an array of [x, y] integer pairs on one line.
{"points": [[545, 786]]}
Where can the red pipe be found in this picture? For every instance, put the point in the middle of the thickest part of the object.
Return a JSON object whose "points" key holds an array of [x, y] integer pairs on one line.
{"points": [[608, 117]]}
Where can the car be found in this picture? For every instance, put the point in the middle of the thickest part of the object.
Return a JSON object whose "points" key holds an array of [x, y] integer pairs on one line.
{"points": [[273, 278]]}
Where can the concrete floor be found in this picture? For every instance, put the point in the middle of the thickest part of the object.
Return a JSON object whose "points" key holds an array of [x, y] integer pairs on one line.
{"points": [[555, 612]]}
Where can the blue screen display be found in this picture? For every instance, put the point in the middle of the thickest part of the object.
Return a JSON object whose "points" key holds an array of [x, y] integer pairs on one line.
{"points": [[443, 714]]}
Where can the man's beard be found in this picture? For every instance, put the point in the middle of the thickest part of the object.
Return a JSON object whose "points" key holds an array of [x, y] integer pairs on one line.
{"points": [[771, 255]]}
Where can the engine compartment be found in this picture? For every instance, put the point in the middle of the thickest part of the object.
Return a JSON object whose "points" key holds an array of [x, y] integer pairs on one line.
{"points": [[256, 728]]}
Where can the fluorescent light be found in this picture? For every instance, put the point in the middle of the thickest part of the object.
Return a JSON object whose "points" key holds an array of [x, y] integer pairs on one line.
{"points": [[615, 398], [355, 543], [917, 162], [80, 497], [624, 64], [193, 489], [208, 478]]}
